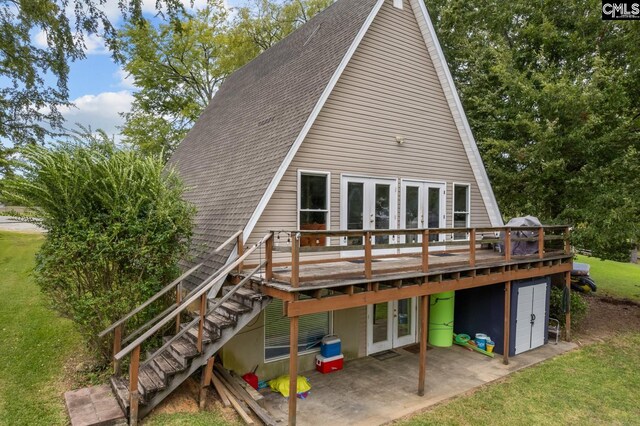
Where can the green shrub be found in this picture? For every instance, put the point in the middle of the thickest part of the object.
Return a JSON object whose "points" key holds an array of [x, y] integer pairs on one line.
{"points": [[116, 227], [579, 306]]}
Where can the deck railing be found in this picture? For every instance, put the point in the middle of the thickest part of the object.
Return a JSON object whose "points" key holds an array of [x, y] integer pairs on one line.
{"points": [[370, 245]]}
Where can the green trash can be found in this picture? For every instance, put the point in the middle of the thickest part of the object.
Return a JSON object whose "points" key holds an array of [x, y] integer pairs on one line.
{"points": [[441, 319]]}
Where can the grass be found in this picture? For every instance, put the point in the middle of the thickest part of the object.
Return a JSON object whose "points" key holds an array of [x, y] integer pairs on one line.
{"points": [[616, 279], [202, 418], [34, 341], [594, 385]]}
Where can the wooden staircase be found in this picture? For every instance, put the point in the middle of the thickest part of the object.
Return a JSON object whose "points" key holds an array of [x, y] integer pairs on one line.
{"points": [[167, 370], [198, 334]]}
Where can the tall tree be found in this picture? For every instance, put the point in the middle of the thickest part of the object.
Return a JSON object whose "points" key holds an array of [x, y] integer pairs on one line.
{"points": [[551, 92], [29, 105], [178, 66]]}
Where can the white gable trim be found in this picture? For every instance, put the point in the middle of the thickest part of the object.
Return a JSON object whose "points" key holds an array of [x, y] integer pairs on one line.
{"points": [[460, 118], [312, 118]]}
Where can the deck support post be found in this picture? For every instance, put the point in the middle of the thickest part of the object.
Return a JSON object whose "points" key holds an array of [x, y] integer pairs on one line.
{"points": [[541, 243], [295, 259], [567, 318], [425, 251], [368, 270], [117, 346], [240, 250], [507, 322], [424, 316], [472, 247], [134, 368], [507, 244], [268, 273], [293, 369], [205, 381]]}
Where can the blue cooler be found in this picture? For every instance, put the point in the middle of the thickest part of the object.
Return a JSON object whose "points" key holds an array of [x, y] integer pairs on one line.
{"points": [[331, 346]]}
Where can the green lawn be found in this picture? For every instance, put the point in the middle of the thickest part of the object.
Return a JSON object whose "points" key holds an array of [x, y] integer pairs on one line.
{"points": [[34, 342], [615, 279], [595, 385]]}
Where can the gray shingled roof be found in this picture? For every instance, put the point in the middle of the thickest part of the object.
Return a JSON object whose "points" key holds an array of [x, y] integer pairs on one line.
{"points": [[237, 145]]}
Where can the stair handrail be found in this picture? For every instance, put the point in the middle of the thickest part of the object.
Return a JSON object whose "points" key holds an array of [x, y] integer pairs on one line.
{"points": [[209, 312], [164, 291], [188, 301]]}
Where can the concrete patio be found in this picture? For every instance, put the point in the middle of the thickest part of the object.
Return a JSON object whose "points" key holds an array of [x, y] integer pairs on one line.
{"points": [[370, 392]]}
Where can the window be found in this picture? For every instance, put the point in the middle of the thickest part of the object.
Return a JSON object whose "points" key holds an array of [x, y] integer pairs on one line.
{"points": [[312, 328], [313, 205], [461, 207]]}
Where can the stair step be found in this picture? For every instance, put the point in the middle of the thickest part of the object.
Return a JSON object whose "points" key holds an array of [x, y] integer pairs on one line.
{"points": [[243, 294], [208, 334], [149, 381], [185, 348], [167, 364], [231, 309], [220, 321], [120, 388]]}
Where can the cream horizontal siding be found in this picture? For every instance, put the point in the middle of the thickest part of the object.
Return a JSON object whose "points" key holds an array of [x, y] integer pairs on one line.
{"points": [[390, 88]]}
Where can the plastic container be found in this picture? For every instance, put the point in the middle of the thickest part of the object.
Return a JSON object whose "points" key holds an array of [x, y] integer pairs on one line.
{"points": [[327, 365], [251, 379], [481, 341], [331, 346], [441, 319], [490, 346]]}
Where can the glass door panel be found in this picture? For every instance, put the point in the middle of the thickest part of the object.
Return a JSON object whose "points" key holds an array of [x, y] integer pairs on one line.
{"points": [[404, 317], [412, 207], [382, 211], [434, 209], [379, 327], [355, 210]]}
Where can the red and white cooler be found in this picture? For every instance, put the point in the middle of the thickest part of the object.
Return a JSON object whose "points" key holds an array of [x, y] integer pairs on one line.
{"points": [[329, 364]]}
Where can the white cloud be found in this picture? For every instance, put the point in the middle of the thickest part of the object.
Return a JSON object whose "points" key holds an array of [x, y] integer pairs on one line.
{"points": [[125, 80], [101, 111], [94, 44]]}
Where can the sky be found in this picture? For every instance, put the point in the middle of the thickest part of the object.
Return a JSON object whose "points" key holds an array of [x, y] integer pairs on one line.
{"points": [[100, 88]]}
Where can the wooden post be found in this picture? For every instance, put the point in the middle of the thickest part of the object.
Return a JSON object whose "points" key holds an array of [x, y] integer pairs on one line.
{"points": [[472, 247], [567, 242], [178, 301], [268, 274], [293, 369], [424, 317], [117, 346], [295, 260], [541, 243], [567, 318], [507, 322], [425, 251], [205, 380], [368, 269], [240, 250], [507, 244], [203, 311], [134, 368]]}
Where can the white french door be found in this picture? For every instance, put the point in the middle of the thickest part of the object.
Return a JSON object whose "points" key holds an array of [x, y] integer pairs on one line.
{"points": [[391, 324], [368, 204], [422, 206]]}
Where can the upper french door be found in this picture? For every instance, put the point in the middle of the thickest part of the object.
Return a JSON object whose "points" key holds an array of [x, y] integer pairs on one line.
{"points": [[422, 206], [368, 204]]}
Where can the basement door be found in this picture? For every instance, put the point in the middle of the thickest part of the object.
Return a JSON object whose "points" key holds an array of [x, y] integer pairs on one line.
{"points": [[531, 317], [391, 324], [368, 204]]}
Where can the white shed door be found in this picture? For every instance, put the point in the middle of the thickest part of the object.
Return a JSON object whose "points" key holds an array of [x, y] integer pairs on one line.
{"points": [[523, 319], [539, 312]]}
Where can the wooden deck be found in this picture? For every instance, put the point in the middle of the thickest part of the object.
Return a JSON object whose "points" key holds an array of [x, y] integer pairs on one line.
{"points": [[351, 272]]}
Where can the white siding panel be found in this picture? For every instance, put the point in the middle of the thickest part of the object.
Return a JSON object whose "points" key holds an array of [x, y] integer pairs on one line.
{"points": [[390, 88]]}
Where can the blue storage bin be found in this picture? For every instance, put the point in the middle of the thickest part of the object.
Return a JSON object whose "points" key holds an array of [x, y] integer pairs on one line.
{"points": [[331, 346]]}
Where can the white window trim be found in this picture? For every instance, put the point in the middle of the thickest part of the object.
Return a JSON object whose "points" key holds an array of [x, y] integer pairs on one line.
{"points": [[453, 205], [299, 193], [283, 357]]}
